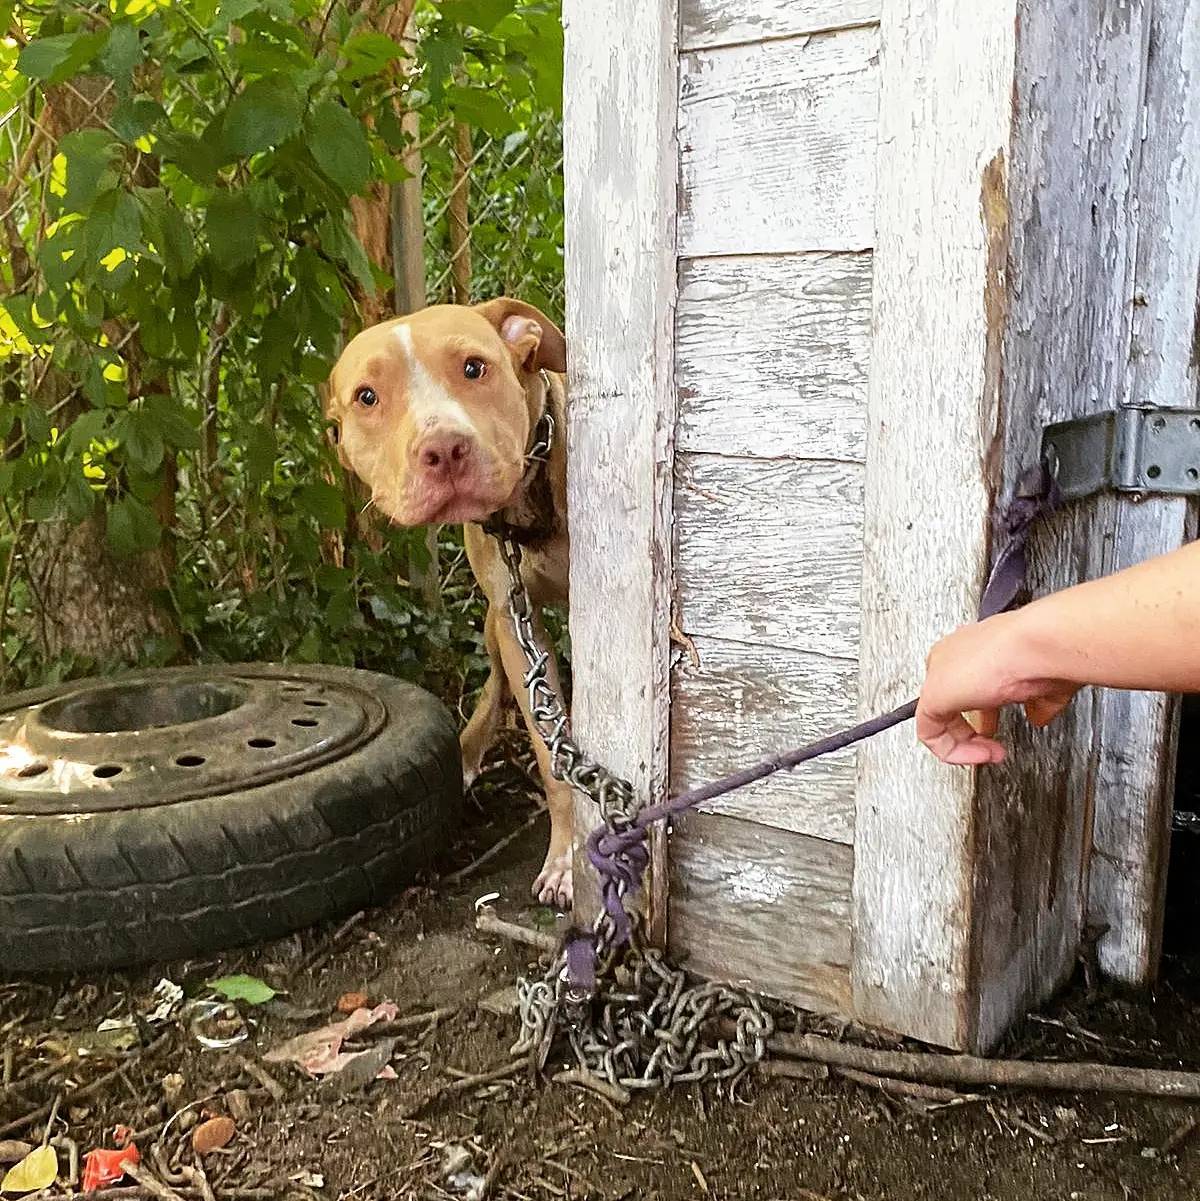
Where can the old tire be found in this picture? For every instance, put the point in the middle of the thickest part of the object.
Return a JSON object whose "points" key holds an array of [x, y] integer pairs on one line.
{"points": [[172, 847]]}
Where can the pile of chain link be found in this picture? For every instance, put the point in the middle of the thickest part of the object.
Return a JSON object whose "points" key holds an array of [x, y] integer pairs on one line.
{"points": [[628, 1016]]}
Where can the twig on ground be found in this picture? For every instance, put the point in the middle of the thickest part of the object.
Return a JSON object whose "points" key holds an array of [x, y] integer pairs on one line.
{"points": [[71, 1147], [495, 1169], [1043, 1136], [931, 1068], [199, 1181], [27, 1081], [456, 878], [486, 922], [316, 957], [149, 1181], [1180, 1135], [411, 1021], [595, 1084], [142, 1193], [465, 1083], [901, 1088], [257, 1072], [37, 1115], [794, 1069]]}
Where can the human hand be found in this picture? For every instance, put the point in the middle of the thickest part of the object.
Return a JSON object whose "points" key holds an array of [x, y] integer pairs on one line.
{"points": [[970, 676]]}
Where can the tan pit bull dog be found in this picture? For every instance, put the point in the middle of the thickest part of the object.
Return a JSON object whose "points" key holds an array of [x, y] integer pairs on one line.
{"points": [[436, 413]]}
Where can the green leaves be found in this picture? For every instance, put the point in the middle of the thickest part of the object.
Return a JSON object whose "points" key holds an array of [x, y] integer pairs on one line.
{"points": [[131, 527], [233, 229], [122, 54], [339, 146], [324, 503], [250, 989], [368, 54], [90, 156], [56, 59], [264, 114]]}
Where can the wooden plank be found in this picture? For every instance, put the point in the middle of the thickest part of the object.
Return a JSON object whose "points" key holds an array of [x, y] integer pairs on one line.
{"points": [[707, 23], [773, 354], [740, 704], [621, 66], [762, 908], [1134, 792], [939, 255], [1072, 192], [778, 145], [770, 551]]}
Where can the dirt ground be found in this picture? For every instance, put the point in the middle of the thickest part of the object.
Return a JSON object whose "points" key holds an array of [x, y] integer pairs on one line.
{"points": [[778, 1140]]}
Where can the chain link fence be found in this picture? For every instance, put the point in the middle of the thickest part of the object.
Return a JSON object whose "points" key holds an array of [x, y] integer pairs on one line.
{"points": [[237, 492]]}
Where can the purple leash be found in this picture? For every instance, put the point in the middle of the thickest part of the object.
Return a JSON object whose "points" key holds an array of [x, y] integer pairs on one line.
{"points": [[621, 855]]}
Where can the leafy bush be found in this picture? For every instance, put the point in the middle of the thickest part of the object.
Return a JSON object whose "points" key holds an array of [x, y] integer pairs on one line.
{"points": [[180, 270]]}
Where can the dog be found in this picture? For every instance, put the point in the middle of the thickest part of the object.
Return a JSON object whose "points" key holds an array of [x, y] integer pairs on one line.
{"points": [[436, 414]]}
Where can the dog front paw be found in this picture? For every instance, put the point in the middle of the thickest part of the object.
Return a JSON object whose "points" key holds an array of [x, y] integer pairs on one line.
{"points": [[553, 885]]}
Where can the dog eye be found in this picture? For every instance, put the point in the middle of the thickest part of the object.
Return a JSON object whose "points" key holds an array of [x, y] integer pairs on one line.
{"points": [[366, 397], [474, 369]]}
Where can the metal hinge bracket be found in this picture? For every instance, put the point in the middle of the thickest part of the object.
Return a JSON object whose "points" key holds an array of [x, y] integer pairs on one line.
{"points": [[1139, 448]]}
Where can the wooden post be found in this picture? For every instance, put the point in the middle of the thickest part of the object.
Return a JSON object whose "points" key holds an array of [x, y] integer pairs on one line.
{"points": [[939, 256], [1134, 792], [621, 167], [1010, 284]]}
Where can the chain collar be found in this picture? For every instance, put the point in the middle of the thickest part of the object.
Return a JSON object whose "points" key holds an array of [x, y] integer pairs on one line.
{"points": [[541, 442]]}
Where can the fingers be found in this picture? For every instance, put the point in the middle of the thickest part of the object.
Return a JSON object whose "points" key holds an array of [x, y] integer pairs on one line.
{"points": [[954, 740]]}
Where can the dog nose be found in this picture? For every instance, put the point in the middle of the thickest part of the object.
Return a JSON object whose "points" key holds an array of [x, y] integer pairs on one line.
{"points": [[444, 456]]}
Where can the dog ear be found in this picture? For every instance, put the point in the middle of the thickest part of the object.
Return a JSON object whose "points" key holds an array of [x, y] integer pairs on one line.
{"points": [[333, 427], [534, 340]]}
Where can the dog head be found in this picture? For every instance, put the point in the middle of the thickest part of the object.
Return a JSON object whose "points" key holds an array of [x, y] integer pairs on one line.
{"points": [[433, 412]]}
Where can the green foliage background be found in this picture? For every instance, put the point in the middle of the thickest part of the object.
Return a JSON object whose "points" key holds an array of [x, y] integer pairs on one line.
{"points": [[189, 258]]}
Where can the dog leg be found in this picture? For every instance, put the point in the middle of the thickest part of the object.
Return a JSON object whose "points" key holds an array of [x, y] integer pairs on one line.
{"points": [[479, 736], [553, 884]]}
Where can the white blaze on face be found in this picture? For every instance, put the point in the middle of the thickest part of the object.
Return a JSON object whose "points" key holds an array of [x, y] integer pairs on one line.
{"points": [[430, 404]]}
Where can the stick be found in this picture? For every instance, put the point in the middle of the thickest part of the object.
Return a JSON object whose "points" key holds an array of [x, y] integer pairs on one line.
{"points": [[1011, 1073], [199, 1182], [486, 922], [465, 1084], [456, 878], [900, 1088], [259, 1073], [596, 1084], [1180, 1135], [149, 1181], [35, 1116], [141, 1193], [410, 1021], [794, 1069]]}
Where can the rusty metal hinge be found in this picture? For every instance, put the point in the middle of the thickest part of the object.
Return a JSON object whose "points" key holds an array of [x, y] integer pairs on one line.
{"points": [[1136, 448]]}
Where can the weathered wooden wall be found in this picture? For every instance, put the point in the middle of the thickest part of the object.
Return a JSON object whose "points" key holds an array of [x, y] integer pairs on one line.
{"points": [[825, 284], [777, 116], [1026, 218]]}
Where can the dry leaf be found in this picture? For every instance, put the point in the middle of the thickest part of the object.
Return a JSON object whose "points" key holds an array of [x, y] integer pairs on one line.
{"points": [[320, 1051], [213, 1135], [348, 1002], [13, 1149], [37, 1170]]}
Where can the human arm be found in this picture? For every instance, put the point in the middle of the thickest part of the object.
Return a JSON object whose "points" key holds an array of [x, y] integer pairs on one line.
{"points": [[1138, 628]]}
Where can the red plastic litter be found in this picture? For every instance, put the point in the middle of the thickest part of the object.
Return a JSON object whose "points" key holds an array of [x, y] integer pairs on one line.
{"points": [[103, 1167]]}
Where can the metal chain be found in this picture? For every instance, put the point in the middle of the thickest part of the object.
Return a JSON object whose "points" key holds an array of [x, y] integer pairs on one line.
{"points": [[646, 1027]]}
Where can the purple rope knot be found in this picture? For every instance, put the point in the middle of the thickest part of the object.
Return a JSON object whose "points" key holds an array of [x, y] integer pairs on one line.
{"points": [[619, 857]]}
